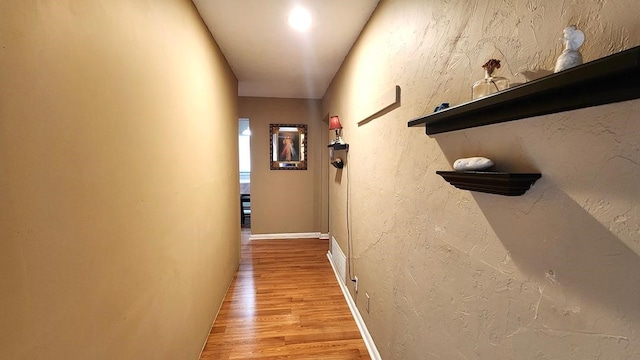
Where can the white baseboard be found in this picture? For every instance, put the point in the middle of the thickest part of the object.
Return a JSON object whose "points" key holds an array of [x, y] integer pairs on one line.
{"points": [[339, 260], [366, 337], [324, 236], [285, 236]]}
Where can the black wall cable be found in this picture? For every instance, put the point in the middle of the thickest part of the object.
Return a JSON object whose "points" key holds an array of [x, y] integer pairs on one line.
{"points": [[349, 244]]}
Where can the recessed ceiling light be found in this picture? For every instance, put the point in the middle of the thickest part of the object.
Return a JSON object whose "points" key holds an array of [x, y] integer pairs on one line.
{"points": [[300, 19]]}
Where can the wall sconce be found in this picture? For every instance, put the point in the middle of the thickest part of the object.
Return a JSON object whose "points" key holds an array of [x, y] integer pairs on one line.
{"points": [[334, 124]]}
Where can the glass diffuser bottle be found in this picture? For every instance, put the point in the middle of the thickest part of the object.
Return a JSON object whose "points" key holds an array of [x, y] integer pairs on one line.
{"points": [[490, 84]]}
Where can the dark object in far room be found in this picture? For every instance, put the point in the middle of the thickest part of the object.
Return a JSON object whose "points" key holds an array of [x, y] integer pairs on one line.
{"points": [[245, 207]]}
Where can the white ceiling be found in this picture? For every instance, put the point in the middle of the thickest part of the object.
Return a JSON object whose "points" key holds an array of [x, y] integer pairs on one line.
{"points": [[269, 58]]}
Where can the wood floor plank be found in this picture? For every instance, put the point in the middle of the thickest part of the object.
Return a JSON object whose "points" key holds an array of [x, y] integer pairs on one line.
{"points": [[284, 303]]}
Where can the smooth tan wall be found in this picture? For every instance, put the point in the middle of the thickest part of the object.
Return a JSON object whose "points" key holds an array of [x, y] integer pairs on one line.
{"points": [[285, 201], [119, 226], [463, 275]]}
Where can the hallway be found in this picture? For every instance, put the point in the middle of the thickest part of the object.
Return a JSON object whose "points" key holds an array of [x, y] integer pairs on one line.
{"points": [[267, 315]]}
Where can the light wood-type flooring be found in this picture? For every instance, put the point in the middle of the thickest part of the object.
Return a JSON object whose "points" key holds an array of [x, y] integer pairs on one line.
{"points": [[284, 303]]}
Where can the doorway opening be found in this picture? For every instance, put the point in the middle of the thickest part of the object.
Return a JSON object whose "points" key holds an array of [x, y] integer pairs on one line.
{"points": [[244, 158]]}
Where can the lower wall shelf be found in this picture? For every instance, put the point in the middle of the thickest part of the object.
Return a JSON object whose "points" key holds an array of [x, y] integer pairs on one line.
{"points": [[500, 183]]}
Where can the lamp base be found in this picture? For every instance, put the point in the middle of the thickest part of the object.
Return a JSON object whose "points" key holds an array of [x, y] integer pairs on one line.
{"points": [[337, 140]]}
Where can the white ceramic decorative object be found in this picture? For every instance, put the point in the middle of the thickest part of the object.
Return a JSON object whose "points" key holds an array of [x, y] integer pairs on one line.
{"points": [[570, 57], [472, 163]]}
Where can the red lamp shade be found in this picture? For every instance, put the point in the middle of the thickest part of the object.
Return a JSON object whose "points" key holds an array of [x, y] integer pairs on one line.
{"points": [[334, 123]]}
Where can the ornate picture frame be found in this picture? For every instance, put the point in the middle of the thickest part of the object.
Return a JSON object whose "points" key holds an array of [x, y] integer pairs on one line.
{"points": [[288, 146]]}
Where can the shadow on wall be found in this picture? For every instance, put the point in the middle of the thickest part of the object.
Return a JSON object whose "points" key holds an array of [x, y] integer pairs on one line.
{"points": [[338, 177], [557, 242], [551, 237]]}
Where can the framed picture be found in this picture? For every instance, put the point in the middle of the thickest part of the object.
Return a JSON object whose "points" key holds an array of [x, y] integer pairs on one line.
{"points": [[288, 149]]}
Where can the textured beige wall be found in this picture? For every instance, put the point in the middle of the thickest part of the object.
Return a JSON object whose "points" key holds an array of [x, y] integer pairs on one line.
{"points": [[119, 226], [286, 201], [452, 274]]}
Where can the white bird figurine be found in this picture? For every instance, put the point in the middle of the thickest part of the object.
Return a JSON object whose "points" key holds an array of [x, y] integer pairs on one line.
{"points": [[570, 57]]}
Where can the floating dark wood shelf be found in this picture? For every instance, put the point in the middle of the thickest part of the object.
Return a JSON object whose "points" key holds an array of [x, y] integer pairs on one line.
{"points": [[339, 146], [501, 183], [607, 80]]}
